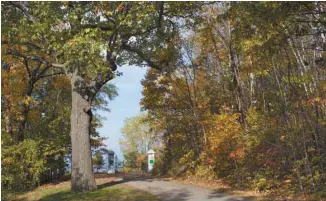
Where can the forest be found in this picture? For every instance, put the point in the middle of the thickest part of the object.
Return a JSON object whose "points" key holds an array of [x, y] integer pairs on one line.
{"points": [[234, 90]]}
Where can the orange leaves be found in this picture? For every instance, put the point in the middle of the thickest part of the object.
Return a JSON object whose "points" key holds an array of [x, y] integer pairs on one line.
{"points": [[120, 7], [65, 3], [231, 155], [140, 158], [210, 160], [313, 101], [237, 154], [226, 108], [224, 134], [317, 100]]}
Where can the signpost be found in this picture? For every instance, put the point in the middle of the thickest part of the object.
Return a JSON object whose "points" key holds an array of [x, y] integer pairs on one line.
{"points": [[151, 159]]}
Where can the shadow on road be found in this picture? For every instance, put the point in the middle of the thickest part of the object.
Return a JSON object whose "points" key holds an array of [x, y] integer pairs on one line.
{"points": [[174, 195], [222, 193], [123, 178]]}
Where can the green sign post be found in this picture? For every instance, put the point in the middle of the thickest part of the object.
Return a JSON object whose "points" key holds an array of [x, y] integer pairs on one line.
{"points": [[151, 159]]}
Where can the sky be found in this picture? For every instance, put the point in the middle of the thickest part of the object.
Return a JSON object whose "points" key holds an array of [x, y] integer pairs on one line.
{"points": [[126, 104]]}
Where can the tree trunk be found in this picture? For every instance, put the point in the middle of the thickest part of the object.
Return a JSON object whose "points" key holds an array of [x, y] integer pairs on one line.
{"points": [[7, 107], [82, 177], [24, 112], [22, 125]]}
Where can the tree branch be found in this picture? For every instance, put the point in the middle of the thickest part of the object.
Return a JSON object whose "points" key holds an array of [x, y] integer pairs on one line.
{"points": [[142, 56], [56, 65], [37, 59], [27, 67], [51, 75], [24, 9], [161, 10], [34, 58], [150, 28]]}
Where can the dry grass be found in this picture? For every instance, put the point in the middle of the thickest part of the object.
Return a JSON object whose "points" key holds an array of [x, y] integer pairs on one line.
{"points": [[109, 192], [280, 194]]}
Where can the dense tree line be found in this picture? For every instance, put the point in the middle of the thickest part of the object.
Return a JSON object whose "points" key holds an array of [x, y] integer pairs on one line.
{"points": [[246, 97]]}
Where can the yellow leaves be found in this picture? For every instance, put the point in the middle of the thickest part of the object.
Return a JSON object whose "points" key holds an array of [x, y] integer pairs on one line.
{"points": [[34, 115], [7, 160], [226, 108], [72, 42], [188, 157], [287, 181], [120, 7], [61, 83], [282, 138], [28, 100], [108, 12]]}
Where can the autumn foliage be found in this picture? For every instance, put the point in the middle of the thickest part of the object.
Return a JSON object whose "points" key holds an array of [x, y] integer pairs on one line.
{"points": [[246, 100]]}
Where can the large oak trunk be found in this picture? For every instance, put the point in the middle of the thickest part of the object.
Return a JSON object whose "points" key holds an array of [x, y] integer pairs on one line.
{"points": [[82, 177]]}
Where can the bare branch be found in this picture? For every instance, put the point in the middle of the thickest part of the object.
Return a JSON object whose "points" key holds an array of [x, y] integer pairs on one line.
{"points": [[56, 65], [24, 9], [161, 10], [51, 75], [27, 67]]}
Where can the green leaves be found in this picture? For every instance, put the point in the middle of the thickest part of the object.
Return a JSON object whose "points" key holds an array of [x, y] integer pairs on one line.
{"points": [[98, 160], [22, 166], [138, 135]]}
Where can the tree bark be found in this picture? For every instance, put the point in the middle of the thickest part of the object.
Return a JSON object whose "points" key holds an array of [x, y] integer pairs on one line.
{"points": [[7, 110], [82, 177], [24, 112]]}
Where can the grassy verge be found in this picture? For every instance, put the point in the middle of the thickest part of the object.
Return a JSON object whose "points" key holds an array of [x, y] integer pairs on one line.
{"points": [[61, 192], [280, 194]]}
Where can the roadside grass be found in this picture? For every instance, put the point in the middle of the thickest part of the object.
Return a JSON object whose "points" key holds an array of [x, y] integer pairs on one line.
{"points": [[61, 192], [284, 192]]}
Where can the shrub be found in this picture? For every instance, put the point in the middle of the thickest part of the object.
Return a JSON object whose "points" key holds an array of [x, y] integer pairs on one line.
{"points": [[262, 184], [22, 166], [205, 171]]}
